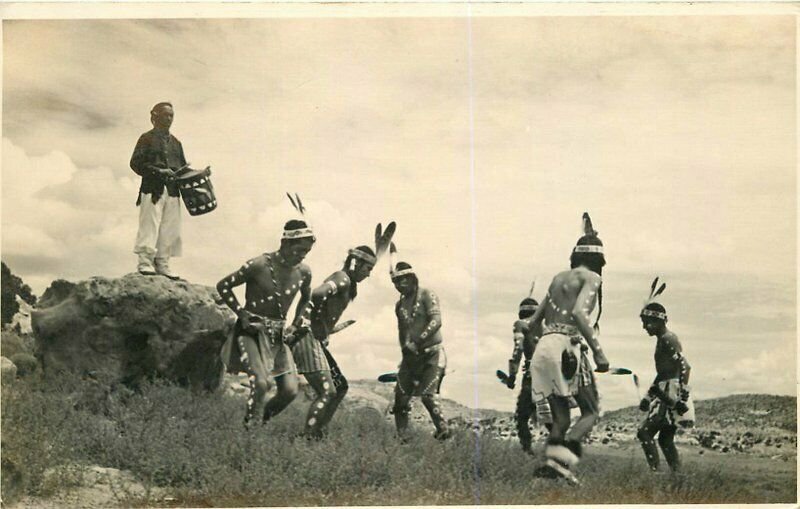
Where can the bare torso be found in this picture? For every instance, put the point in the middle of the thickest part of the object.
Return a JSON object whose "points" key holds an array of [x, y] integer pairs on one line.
{"points": [[328, 313], [272, 286]]}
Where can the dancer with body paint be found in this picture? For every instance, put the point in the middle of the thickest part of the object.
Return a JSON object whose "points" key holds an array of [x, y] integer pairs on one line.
{"points": [[565, 311], [525, 339], [258, 341], [668, 400], [328, 302], [419, 320]]}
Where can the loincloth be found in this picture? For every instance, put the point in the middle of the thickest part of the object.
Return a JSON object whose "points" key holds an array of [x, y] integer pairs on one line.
{"points": [[275, 355], [422, 374]]}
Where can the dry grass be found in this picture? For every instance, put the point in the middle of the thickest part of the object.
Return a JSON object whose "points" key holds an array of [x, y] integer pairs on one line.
{"points": [[194, 446]]}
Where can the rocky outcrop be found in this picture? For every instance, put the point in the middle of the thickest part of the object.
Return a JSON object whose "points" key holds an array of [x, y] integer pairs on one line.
{"points": [[21, 321], [8, 371], [125, 329]]}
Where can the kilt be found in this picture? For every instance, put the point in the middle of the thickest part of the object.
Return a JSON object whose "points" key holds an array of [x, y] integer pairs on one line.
{"points": [[309, 355], [547, 373], [662, 414]]}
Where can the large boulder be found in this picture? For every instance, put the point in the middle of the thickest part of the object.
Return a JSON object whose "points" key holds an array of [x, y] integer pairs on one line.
{"points": [[121, 330]]}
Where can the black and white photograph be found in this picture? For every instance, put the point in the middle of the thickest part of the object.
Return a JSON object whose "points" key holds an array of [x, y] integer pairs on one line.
{"points": [[420, 254]]}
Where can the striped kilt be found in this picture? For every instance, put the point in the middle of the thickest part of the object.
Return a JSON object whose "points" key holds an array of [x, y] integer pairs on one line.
{"points": [[309, 356]]}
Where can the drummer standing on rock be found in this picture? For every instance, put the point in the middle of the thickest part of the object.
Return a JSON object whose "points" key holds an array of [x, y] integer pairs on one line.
{"points": [[156, 158]]}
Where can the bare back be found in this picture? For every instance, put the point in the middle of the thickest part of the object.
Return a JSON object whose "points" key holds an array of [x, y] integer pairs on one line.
{"points": [[571, 292]]}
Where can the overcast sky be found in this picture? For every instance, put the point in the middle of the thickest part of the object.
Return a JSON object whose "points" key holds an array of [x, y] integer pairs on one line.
{"points": [[485, 139]]}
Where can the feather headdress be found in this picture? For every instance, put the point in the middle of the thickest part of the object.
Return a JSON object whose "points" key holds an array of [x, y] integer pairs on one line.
{"points": [[647, 309], [588, 231], [394, 271], [382, 240], [301, 232], [529, 303]]}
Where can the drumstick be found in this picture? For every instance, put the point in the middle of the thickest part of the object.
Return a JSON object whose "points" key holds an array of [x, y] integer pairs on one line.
{"points": [[179, 170]]}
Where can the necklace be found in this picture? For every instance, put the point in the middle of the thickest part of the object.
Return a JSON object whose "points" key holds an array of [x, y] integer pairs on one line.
{"points": [[414, 309], [276, 289]]}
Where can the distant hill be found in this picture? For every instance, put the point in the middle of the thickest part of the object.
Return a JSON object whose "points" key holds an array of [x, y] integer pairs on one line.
{"points": [[381, 397], [749, 411], [742, 423]]}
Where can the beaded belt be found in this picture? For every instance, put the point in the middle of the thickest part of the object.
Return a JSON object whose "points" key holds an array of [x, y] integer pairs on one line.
{"points": [[561, 328]]}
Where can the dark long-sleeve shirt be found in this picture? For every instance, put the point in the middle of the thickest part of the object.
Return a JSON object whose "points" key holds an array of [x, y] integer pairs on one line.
{"points": [[156, 149]]}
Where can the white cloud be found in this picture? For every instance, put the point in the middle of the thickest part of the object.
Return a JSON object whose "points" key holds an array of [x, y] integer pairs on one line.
{"points": [[773, 371], [676, 134]]}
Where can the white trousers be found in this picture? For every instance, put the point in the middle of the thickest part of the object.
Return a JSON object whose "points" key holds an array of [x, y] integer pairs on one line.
{"points": [[159, 226]]}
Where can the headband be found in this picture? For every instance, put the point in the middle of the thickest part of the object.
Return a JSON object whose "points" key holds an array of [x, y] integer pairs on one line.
{"points": [[299, 233], [654, 314], [588, 249], [363, 256], [403, 272]]}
